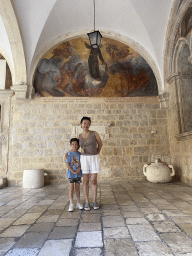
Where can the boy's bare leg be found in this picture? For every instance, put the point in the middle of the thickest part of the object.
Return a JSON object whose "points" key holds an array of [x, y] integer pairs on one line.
{"points": [[77, 191], [94, 186], [86, 187], [71, 192]]}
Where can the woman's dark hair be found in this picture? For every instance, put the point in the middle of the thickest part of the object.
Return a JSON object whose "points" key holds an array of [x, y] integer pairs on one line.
{"points": [[85, 118], [74, 139]]}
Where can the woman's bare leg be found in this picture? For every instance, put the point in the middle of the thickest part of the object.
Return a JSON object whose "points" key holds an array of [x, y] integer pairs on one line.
{"points": [[94, 186], [86, 187]]}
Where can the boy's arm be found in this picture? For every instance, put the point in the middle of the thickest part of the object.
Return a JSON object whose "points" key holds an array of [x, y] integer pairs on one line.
{"points": [[70, 168], [78, 170], [66, 155]]}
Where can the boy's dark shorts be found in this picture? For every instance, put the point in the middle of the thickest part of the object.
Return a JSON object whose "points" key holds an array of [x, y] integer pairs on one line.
{"points": [[75, 180]]}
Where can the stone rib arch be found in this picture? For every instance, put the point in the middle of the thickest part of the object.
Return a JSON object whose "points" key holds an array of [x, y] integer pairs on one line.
{"points": [[181, 43], [18, 68], [177, 12], [109, 34]]}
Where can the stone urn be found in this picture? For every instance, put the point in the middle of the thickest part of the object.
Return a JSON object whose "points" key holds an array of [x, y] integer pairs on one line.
{"points": [[158, 171]]}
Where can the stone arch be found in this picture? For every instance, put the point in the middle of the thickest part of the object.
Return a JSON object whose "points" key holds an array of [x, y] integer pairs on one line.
{"points": [[177, 12], [182, 69], [180, 63], [18, 67], [109, 34]]}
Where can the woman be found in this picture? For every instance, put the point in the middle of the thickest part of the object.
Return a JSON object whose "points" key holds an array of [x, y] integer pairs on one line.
{"points": [[90, 143]]}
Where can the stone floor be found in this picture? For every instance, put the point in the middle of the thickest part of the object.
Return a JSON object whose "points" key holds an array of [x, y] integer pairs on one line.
{"points": [[136, 218]]}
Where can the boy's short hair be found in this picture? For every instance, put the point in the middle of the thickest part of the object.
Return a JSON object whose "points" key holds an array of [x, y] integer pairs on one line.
{"points": [[85, 118], [74, 139]]}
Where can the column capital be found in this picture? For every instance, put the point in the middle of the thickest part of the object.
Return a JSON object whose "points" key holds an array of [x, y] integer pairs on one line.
{"points": [[20, 90]]}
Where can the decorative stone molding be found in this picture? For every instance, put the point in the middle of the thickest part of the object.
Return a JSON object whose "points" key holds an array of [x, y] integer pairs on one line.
{"points": [[5, 98], [178, 75], [177, 12], [184, 136], [172, 78], [20, 90], [190, 46], [164, 100], [102, 129]]}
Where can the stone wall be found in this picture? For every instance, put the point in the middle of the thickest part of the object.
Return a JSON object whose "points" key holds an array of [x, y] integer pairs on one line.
{"points": [[40, 130], [180, 146]]}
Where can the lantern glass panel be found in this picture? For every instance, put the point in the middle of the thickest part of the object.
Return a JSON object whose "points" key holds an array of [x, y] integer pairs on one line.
{"points": [[95, 39]]}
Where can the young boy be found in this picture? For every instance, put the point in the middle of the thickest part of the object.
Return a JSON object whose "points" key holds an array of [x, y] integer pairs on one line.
{"points": [[74, 173]]}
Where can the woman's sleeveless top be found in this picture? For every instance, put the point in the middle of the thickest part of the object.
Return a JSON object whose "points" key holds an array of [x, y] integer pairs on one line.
{"points": [[89, 145]]}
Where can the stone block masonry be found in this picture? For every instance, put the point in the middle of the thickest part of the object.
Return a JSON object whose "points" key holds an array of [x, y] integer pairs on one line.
{"points": [[40, 130]]}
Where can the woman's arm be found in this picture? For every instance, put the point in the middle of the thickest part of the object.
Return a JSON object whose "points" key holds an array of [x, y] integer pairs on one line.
{"points": [[99, 142]]}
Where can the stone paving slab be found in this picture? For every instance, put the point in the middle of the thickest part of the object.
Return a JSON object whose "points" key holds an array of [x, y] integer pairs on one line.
{"points": [[56, 248], [153, 248], [23, 252], [113, 221], [187, 228], [63, 233], [14, 231], [132, 215], [89, 239], [41, 227], [178, 242], [119, 247], [88, 252], [165, 227], [156, 217], [32, 240], [6, 244], [90, 218], [28, 218], [142, 233], [48, 218], [89, 227], [38, 208], [132, 221], [110, 212], [120, 232], [67, 222]]}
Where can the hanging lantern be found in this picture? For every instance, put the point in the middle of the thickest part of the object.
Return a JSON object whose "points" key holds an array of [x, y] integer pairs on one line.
{"points": [[95, 38]]}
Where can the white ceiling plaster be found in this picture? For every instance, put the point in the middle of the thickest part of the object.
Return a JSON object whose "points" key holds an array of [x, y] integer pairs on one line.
{"points": [[43, 21], [155, 16], [31, 15]]}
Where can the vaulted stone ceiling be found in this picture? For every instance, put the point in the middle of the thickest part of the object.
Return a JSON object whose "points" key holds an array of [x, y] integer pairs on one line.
{"points": [[44, 23]]}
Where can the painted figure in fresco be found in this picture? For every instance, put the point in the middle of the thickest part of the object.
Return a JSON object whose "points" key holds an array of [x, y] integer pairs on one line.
{"points": [[115, 53], [94, 63]]}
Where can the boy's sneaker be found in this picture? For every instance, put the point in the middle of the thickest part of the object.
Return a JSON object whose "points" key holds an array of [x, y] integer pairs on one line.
{"points": [[79, 206], [87, 207], [71, 208], [95, 206]]}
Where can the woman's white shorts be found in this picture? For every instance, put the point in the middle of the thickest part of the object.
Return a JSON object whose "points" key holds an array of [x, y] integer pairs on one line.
{"points": [[90, 164]]}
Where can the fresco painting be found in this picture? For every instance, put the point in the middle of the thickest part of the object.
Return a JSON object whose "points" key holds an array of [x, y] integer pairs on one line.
{"points": [[75, 69]]}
